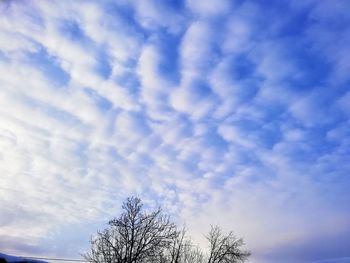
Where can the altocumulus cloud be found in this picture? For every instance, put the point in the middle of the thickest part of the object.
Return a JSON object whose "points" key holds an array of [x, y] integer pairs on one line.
{"points": [[228, 112]]}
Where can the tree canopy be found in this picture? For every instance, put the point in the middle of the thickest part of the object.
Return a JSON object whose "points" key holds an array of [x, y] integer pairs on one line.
{"points": [[138, 236]]}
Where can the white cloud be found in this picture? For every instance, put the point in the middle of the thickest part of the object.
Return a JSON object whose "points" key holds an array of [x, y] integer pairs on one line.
{"points": [[119, 96], [344, 103], [196, 50], [210, 8], [13, 43], [210, 144], [273, 61], [231, 134], [310, 109], [185, 99], [153, 14], [239, 35]]}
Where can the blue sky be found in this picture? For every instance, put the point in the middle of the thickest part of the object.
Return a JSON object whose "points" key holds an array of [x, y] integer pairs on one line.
{"points": [[224, 112]]}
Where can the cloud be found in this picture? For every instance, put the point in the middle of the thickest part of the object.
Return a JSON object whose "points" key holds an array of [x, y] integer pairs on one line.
{"points": [[156, 14], [222, 112], [193, 99], [208, 8], [343, 103]]}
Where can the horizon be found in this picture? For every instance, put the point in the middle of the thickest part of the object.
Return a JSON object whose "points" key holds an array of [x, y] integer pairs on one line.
{"points": [[227, 112]]}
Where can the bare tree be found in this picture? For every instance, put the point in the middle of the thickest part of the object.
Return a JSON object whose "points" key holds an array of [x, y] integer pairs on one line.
{"points": [[140, 237], [181, 250], [225, 248], [133, 237]]}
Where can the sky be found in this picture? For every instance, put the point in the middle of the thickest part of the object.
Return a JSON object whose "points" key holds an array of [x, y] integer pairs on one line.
{"points": [[226, 112]]}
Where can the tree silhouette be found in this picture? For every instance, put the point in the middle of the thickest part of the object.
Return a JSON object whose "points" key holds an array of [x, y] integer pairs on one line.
{"points": [[137, 236]]}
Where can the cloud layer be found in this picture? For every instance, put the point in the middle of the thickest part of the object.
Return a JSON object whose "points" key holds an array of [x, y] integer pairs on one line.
{"points": [[228, 112]]}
